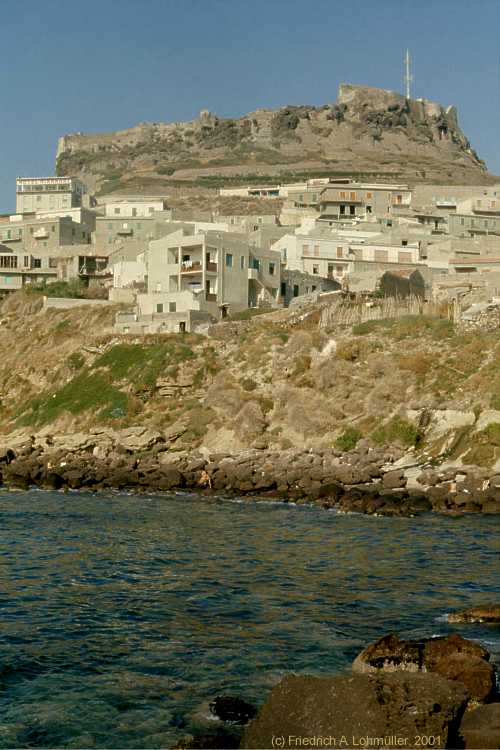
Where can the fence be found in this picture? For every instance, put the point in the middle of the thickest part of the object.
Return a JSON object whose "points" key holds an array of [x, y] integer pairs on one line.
{"points": [[346, 313]]}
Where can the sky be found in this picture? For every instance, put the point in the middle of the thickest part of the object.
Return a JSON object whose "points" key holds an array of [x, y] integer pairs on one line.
{"points": [[102, 65]]}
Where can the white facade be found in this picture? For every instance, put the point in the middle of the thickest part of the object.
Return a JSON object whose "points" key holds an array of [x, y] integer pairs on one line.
{"points": [[133, 208], [128, 272]]}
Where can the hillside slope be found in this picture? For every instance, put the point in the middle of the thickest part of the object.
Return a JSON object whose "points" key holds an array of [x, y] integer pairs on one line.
{"points": [[367, 133], [277, 381]]}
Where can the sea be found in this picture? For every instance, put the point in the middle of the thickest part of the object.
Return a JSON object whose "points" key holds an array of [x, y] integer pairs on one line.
{"points": [[122, 616]]}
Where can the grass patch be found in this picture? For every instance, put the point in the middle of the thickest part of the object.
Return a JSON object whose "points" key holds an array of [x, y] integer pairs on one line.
{"points": [[140, 364], [86, 391], [397, 430], [348, 440]]}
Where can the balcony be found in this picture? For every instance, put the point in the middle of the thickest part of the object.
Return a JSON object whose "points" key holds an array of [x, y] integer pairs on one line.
{"points": [[189, 266], [253, 274], [211, 267], [210, 297], [125, 231], [41, 234]]}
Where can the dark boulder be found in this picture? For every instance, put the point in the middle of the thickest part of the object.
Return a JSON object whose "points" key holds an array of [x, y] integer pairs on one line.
{"points": [[232, 710], [358, 707], [452, 656], [480, 728]]}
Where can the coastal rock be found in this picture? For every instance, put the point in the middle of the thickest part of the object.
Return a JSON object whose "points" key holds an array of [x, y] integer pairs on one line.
{"points": [[485, 613], [452, 656], [232, 710], [360, 706], [480, 728], [138, 438]]}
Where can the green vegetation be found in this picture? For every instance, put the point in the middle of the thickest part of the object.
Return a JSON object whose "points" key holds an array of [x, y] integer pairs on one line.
{"points": [[68, 289], [251, 312], [140, 364], [348, 440], [397, 430], [75, 361], [407, 326], [86, 391], [97, 388]]}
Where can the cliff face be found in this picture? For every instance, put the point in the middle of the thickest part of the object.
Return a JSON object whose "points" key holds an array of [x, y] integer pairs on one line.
{"points": [[368, 130]]}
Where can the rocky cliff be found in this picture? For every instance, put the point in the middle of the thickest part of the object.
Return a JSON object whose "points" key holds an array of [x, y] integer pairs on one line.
{"points": [[367, 132]]}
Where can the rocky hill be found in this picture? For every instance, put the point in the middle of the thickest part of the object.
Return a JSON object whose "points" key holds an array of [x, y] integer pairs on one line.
{"points": [[368, 132]]}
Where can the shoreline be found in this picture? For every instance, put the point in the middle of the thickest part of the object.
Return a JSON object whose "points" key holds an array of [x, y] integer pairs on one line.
{"points": [[374, 481]]}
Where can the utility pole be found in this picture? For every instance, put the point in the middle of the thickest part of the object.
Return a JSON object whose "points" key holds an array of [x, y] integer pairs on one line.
{"points": [[408, 78]]}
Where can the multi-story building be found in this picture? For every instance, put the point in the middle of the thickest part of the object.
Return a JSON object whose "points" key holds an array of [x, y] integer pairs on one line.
{"points": [[336, 256], [48, 193], [113, 230], [214, 272], [25, 234], [362, 201]]}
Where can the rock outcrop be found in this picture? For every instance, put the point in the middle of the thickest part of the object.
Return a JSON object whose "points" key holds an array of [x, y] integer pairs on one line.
{"points": [[367, 131], [486, 613], [359, 707], [453, 657]]}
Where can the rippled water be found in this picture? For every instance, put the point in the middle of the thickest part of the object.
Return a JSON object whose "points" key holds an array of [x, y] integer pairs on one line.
{"points": [[121, 615]]}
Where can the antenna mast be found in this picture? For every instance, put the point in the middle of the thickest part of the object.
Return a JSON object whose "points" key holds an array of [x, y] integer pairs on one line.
{"points": [[408, 78]]}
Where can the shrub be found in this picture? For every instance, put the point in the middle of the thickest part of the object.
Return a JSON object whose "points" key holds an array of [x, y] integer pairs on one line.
{"points": [[248, 384], [75, 361], [397, 430], [348, 440]]}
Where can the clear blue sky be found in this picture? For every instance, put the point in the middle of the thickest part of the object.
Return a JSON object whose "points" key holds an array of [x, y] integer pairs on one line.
{"points": [[102, 65]]}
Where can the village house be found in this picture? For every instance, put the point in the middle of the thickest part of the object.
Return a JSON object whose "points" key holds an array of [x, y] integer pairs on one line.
{"points": [[213, 274]]}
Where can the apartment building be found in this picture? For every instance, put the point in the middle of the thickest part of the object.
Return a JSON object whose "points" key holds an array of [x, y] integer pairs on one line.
{"points": [[360, 202], [214, 272], [114, 230], [32, 235], [48, 193], [338, 255]]}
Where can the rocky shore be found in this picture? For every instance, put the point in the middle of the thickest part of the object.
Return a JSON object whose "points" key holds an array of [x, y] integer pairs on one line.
{"points": [[369, 479], [436, 692]]}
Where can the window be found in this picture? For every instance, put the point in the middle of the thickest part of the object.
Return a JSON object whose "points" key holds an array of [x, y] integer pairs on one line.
{"points": [[369, 196], [331, 268], [242, 261], [353, 196], [52, 262], [305, 249], [316, 250], [229, 260], [313, 288], [134, 212], [381, 256], [404, 243], [283, 288], [352, 210], [295, 290], [117, 211], [404, 257], [368, 209], [256, 264], [342, 210], [52, 228], [26, 261], [37, 262], [340, 252], [110, 226], [172, 307], [159, 307], [462, 222], [316, 269], [272, 269]]}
